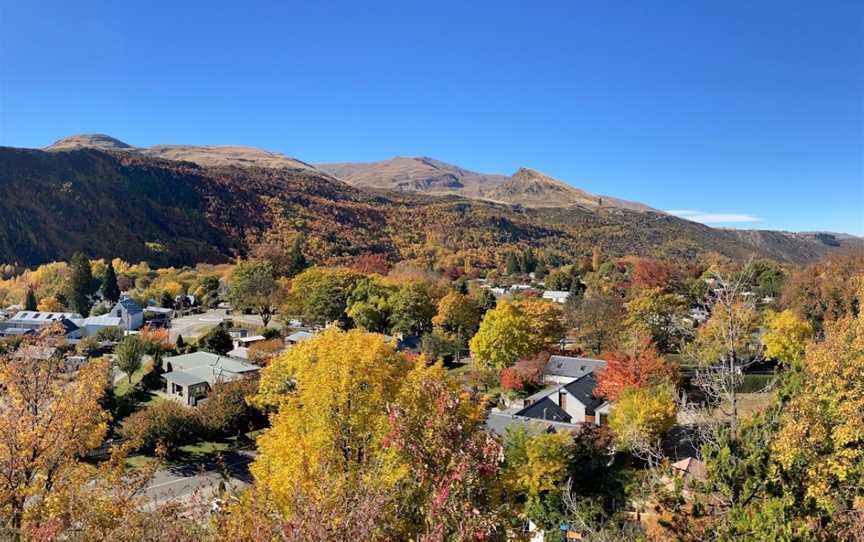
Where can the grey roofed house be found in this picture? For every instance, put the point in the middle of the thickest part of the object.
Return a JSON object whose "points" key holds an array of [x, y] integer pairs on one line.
{"points": [[298, 336], [36, 320], [583, 389], [92, 325], [564, 369], [547, 410], [130, 313], [189, 377], [500, 422]]}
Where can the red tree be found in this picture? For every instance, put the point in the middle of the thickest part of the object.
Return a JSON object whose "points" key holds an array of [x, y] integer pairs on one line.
{"points": [[649, 273], [525, 372], [642, 368], [369, 264]]}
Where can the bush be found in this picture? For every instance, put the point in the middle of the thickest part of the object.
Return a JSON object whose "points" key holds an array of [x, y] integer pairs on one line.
{"points": [[269, 333], [226, 412], [166, 424], [110, 334], [87, 347]]}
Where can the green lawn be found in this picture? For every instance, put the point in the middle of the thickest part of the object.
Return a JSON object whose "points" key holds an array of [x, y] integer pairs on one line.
{"points": [[124, 385], [197, 452]]}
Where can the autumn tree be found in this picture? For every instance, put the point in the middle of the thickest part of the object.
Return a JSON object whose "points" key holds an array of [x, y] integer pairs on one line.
{"points": [[657, 315], [486, 300], [253, 286], [330, 397], [369, 305], [640, 419], [47, 420], [787, 337], [413, 309], [321, 295], [642, 368], [127, 355], [448, 465], [109, 288], [649, 273], [458, 315], [504, 336], [596, 322], [525, 373], [545, 320]]}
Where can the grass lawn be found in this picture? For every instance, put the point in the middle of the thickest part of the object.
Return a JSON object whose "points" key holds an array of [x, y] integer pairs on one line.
{"points": [[124, 386], [753, 403], [197, 452]]}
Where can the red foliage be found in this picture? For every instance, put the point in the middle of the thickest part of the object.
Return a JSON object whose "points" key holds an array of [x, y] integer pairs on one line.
{"points": [[525, 372], [649, 273], [369, 264], [645, 367]]}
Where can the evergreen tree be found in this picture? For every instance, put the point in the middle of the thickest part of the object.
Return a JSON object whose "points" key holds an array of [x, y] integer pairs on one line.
{"points": [[540, 271], [110, 290], [217, 340], [461, 286], [486, 300], [166, 300], [511, 264], [529, 261], [30, 300], [180, 344], [80, 285], [296, 260]]}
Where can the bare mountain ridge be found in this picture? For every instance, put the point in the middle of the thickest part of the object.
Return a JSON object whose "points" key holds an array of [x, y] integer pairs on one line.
{"points": [[204, 155]]}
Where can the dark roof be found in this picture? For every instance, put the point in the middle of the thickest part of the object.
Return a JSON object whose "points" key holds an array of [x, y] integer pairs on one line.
{"points": [[583, 390], [545, 409], [410, 343], [572, 367]]}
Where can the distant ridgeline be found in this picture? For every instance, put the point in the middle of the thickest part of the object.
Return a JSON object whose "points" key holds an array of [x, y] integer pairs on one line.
{"points": [[159, 205]]}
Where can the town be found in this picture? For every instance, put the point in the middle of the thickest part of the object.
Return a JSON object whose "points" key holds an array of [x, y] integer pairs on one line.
{"points": [[593, 398]]}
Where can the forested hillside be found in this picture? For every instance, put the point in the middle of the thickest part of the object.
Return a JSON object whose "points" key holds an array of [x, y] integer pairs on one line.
{"points": [[113, 203]]}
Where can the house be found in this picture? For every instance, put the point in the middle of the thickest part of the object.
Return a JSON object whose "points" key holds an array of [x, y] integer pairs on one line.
{"points": [[248, 341], [558, 296], [158, 316], [130, 313], [567, 405], [298, 337], [565, 369], [93, 325], [34, 321], [189, 377]]}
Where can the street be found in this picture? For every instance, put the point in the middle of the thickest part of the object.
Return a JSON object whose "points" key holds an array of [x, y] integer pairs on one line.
{"points": [[184, 481], [195, 325]]}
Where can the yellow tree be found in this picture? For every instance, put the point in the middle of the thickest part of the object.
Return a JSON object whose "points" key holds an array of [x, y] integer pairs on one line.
{"points": [[47, 421], [545, 320], [640, 419], [787, 337], [821, 434], [458, 315], [505, 335], [330, 395]]}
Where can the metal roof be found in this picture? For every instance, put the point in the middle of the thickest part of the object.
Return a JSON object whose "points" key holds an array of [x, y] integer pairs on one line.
{"points": [[572, 367]]}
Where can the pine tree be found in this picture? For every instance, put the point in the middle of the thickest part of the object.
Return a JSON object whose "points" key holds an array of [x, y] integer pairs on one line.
{"points": [[79, 285], [30, 300], [511, 264], [180, 344], [296, 260], [110, 290]]}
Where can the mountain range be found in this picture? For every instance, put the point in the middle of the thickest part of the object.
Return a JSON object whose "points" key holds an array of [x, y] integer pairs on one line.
{"points": [[182, 204]]}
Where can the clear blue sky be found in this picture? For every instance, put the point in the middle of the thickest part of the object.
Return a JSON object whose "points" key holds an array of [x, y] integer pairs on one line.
{"points": [[749, 109]]}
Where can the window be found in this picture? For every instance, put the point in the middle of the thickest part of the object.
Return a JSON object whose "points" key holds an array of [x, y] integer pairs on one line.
{"points": [[562, 400]]}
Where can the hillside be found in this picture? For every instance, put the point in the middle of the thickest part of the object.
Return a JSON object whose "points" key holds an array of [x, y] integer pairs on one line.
{"points": [[110, 203], [205, 155]]}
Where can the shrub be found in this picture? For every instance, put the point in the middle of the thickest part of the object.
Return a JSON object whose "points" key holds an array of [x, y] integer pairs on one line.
{"points": [[87, 347], [111, 334], [167, 424], [226, 412]]}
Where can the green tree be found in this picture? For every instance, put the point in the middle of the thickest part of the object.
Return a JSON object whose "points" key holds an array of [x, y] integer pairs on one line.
{"points": [[166, 300], [217, 340], [80, 285], [511, 264], [321, 295], [30, 300], [110, 290], [486, 300], [559, 280], [253, 286], [369, 305], [413, 309], [296, 261], [127, 355]]}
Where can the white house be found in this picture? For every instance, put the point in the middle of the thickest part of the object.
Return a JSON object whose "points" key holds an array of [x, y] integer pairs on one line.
{"points": [[33, 321], [91, 326], [130, 313], [298, 337], [558, 296], [189, 377]]}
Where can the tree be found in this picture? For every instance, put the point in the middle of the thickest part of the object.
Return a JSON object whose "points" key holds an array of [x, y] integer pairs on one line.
{"points": [[559, 280], [321, 295], [49, 304], [787, 337], [511, 264], [596, 322], [644, 367], [47, 420], [227, 412], [217, 340], [437, 346], [458, 315], [166, 300], [80, 285], [536, 472], [821, 436], [525, 373], [486, 301], [545, 320], [30, 299], [505, 335], [413, 309], [369, 305], [649, 273], [448, 464], [641, 417], [330, 395], [166, 425], [725, 347], [180, 344], [127, 355], [253, 286], [110, 290], [657, 315], [296, 262]]}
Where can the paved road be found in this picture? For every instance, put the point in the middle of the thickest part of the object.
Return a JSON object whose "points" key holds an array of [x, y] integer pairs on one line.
{"points": [[195, 325], [200, 480]]}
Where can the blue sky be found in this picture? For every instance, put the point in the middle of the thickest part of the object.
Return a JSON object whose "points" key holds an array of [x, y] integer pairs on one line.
{"points": [[743, 114]]}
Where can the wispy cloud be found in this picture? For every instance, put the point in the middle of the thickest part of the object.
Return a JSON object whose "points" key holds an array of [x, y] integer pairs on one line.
{"points": [[713, 218]]}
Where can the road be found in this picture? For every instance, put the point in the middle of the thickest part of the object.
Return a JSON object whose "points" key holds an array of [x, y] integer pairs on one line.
{"points": [[195, 325], [182, 482]]}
